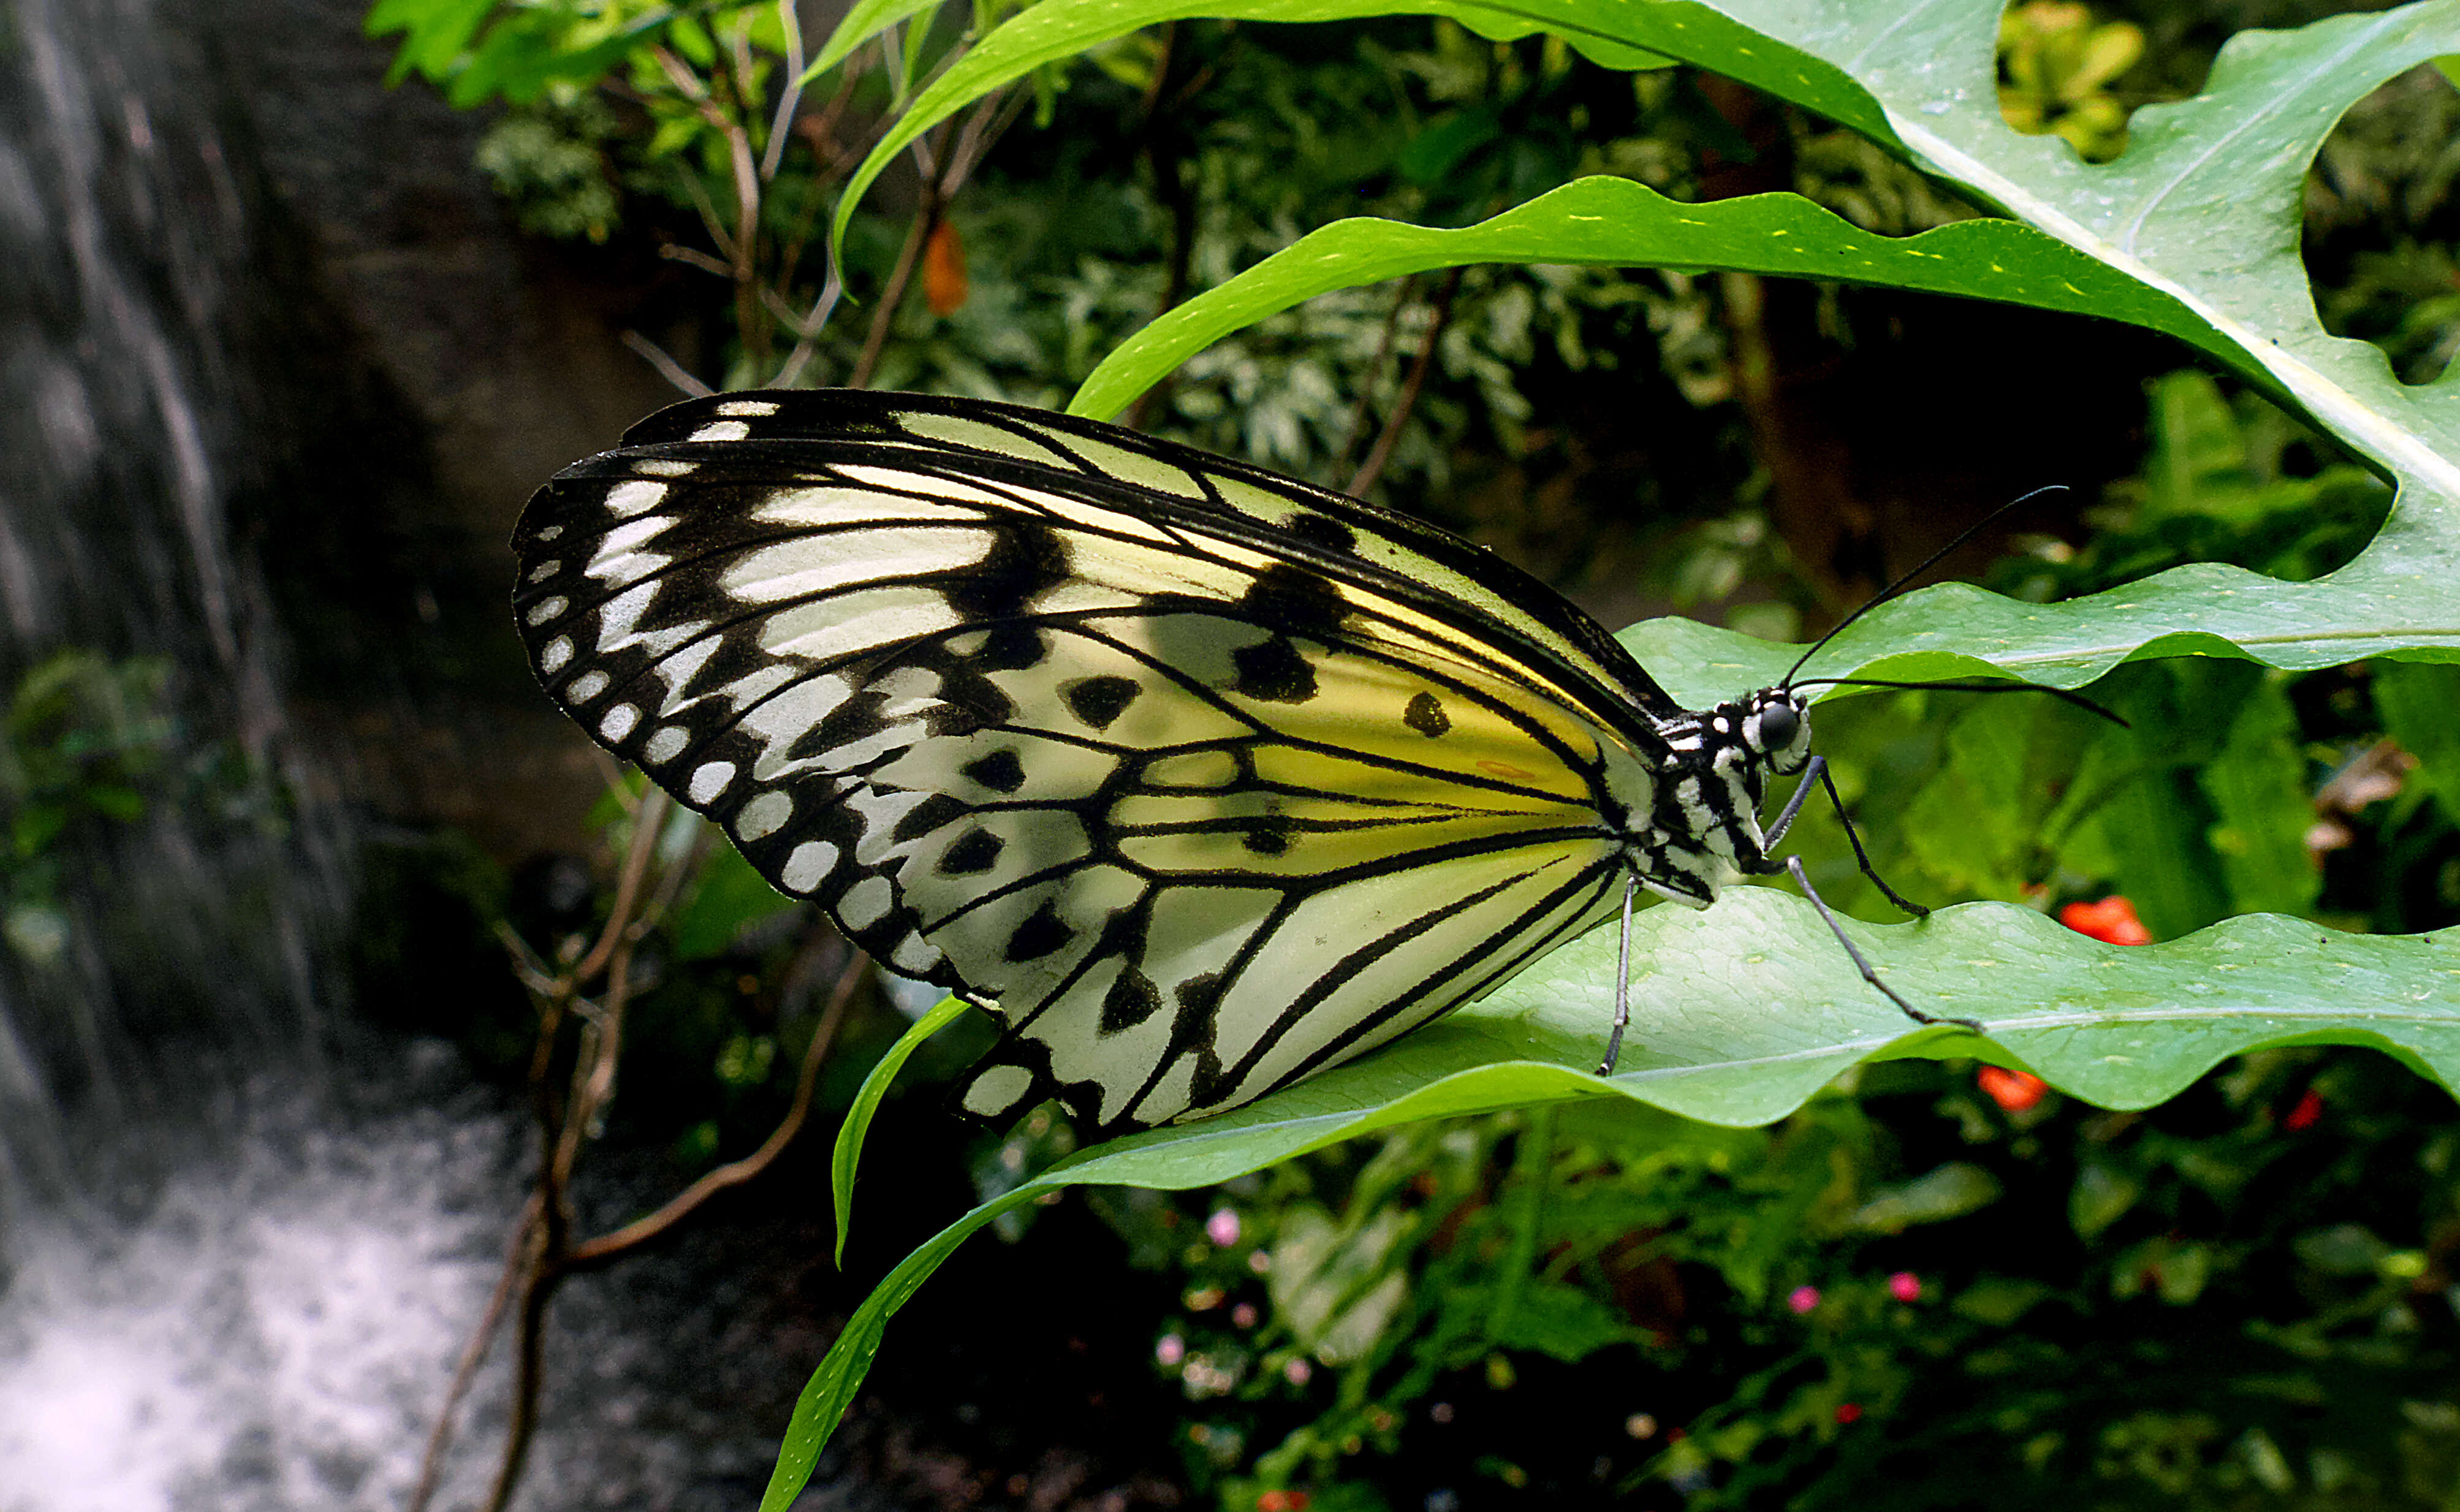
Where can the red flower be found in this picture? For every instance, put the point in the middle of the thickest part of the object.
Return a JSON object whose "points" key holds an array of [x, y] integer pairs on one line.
{"points": [[2012, 1090], [1849, 1412], [2310, 1108], [2111, 920], [1282, 1501], [1905, 1287]]}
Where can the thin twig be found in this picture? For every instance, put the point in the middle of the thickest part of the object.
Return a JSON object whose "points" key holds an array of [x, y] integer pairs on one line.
{"points": [[430, 1466], [644, 1230], [807, 335], [1374, 372], [1373, 468], [694, 257], [646, 825], [926, 217], [791, 97], [668, 368]]}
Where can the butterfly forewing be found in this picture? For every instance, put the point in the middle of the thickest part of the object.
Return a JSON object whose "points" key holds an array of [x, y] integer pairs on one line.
{"points": [[1203, 779]]}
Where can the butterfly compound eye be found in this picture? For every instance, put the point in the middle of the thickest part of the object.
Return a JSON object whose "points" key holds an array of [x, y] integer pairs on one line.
{"points": [[1779, 724]]}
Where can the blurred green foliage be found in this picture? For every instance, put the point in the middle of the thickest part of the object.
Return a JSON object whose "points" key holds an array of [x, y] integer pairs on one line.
{"points": [[85, 744]]}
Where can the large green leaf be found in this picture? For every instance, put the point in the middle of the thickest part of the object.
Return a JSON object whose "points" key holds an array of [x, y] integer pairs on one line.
{"points": [[1741, 1013], [2192, 231]]}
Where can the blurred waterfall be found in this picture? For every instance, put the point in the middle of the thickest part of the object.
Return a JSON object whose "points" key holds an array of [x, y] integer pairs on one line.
{"points": [[147, 951], [242, 1237]]}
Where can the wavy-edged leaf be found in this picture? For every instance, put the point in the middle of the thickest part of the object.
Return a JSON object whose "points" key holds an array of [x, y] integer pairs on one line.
{"points": [[2196, 223], [1642, 35], [1741, 1014], [1616, 223]]}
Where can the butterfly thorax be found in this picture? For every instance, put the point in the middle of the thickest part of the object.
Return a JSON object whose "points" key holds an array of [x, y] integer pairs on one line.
{"points": [[1703, 829]]}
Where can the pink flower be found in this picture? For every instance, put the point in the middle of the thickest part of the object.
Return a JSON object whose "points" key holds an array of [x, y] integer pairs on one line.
{"points": [[1849, 1412], [1905, 1287], [1223, 1228], [1245, 1314], [1803, 1299], [1171, 1349], [1298, 1371]]}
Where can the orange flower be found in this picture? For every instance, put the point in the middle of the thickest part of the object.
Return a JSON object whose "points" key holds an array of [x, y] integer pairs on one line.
{"points": [[2111, 920], [2012, 1090], [943, 270], [1282, 1501]]}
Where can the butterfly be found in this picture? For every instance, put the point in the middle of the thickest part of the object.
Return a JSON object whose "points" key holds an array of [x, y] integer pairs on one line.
{"points": [[1200, 779]]}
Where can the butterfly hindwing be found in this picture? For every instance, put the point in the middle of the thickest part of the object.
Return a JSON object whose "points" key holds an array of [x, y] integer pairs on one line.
{"points": [[1204, 778]]}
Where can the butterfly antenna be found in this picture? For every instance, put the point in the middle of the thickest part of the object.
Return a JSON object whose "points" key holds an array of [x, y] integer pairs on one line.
{"points": [[2077, 699], [1905, 580]]}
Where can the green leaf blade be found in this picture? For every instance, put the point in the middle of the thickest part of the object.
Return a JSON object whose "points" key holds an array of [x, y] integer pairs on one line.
{"points": [[1617, 223], [846, 1154]]}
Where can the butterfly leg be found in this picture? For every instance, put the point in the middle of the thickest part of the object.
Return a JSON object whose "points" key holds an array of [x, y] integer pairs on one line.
{"points": [[1818, 769], [1802, 879], [1623, 980]]}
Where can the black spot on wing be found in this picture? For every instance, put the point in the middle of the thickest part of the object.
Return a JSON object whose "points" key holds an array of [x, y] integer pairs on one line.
{"points": [[1099, 700], [1427, 716], [1028, 558], [927, 816], [1132, 1000], [1010, 649], [1042, 932], [1000, 770], [1267, 836], [974, 852], [1273, 672], [1295, 602], [1322, 530], [967, 700], [1199, 996]]}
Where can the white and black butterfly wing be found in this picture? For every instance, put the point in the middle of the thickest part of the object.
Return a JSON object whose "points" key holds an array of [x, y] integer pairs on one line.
{"points": [[1204, 778]]}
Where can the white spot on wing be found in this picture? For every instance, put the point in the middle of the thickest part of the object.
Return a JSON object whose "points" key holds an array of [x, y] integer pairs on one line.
{"points": [[763, 814], [629, 498], [667, 744], [545, 570], [550, 532], [619, 722], [710, 779], [721, 431], [585, 687], [754, 408], [998, 1090], [662, 466], [865, 903], [822, 508], [914, 955], [545, 609], [806, 568], [555, 654], [810, 863]]}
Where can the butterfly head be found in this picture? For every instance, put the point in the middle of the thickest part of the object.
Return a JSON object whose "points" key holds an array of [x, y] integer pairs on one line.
{"points": [[1775, 727]]}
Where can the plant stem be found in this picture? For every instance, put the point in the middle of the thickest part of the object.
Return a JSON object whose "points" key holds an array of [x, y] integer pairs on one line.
{"points": [[1373, 467]]}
